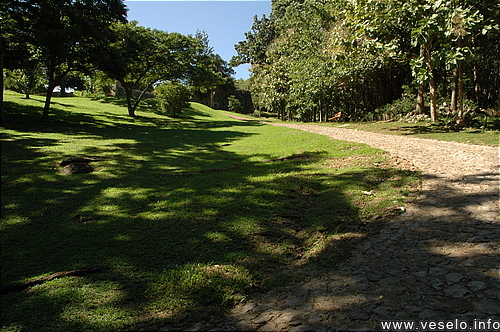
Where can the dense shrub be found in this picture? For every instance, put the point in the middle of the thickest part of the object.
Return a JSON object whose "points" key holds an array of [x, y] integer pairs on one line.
{"points": [[234, 104], [398, 108], [173, 97]]}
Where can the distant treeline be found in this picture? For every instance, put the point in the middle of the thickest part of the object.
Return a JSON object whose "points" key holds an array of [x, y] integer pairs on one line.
{"points": [[313, 58]]}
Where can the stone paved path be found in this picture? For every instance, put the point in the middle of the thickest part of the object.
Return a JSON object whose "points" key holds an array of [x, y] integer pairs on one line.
{"points": [[437, 261]]}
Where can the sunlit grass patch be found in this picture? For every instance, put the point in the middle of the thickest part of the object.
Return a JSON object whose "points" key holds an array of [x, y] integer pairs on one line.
{"points": [[430, 131], [13, 219]]}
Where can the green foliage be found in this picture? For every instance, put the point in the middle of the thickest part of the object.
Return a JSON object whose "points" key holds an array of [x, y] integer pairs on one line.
{"points": [[76, 81], [314, 58], [66, 36], [397, 108], [211, 70], [99, 84], [60, 36], [27, 81], [253, 49], [140, 57], [234, 104], [173, 97], [243, 84]]}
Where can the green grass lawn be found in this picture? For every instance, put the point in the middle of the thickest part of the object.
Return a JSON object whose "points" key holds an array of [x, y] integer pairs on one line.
{"points": [[183, 216], [430, 131], [490, 136]]}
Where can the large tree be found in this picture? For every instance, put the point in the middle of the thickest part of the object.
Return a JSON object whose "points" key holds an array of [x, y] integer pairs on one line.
{"points": [[64, 35], [253, 49], [307, 63], [140, 57], [8, 44], [211, 71], [313, 57], [25, 80]]}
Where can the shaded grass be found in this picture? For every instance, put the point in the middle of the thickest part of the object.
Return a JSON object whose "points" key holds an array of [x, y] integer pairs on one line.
{"points": [[177, 241]]}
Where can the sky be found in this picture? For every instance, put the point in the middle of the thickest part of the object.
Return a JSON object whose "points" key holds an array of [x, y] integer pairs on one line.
{"points": [[224, 21]]}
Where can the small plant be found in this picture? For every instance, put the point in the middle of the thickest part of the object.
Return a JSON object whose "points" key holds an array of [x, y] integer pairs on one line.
{"points": [[173, 97]]}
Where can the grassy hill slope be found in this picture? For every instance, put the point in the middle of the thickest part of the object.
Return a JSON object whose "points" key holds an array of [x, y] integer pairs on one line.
{"points": [[181, 217]]}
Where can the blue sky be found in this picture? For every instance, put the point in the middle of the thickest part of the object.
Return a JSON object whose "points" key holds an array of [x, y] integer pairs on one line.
{"points": [[224, 21]]}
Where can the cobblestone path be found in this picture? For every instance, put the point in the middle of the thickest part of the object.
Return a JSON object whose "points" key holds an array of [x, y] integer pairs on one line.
{"points": [[437, 261]]}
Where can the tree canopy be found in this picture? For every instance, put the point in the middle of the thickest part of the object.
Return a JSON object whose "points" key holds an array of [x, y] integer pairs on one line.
{"points": [[60, 35], [57, 37], [139, 57], [311, 58]]}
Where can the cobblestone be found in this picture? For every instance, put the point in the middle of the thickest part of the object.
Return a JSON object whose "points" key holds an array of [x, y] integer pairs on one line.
{"points": [[437, 260]]}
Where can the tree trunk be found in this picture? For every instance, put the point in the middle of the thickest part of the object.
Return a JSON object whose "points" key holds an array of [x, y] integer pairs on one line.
{"points": [[129, 91], [282, 110], [62, 85], [433, 98], [321, 112], [53, 81], [136, 104], [477, 88], [454, 91], [29, 84], [432, 83], [48, 97], [130, 106], [460, 90], [498, 101], [420, 99]]}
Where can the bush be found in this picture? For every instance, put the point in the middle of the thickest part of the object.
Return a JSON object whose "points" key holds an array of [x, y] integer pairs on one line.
{"points": [[397, 108], [173, 97], [234, 104]]}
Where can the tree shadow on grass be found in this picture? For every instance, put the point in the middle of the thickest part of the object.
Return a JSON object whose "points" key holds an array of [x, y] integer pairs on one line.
{"points": [[122, 102], [441, 128], [177, 240], [54, 101], [436, 263], [28, 118], [418, 129], [105, 124]]}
